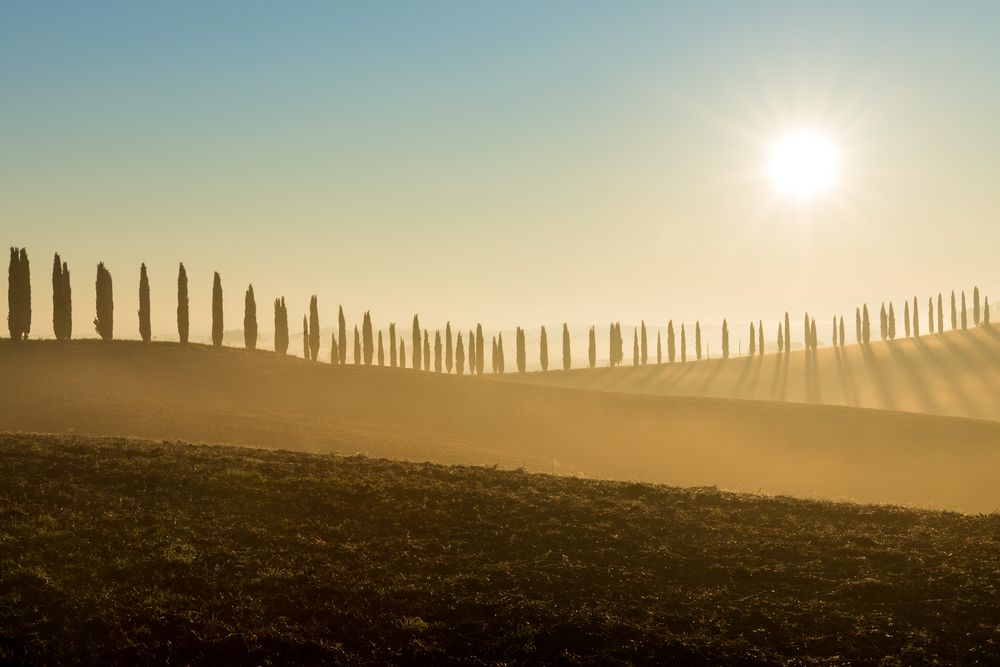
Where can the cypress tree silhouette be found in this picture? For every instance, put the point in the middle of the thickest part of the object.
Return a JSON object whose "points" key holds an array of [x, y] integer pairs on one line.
{"points": [[834, 335], [883, 324], [567, 358], [954, 312], [250, 320], [760, 338], [342, 335], [144, 327], [684, 347], [892, 323], [305, 339], [280, 326], [217, 310], [14, 296], [697, 340], [367, 343], [437, 351], [57, 287], [812, 334], [643, 350], [402, 354], [671, 348], [334, 351], [480, 347], [781, 339], [415, 343], [659, 350], [105, 321], [857, 325], [449, 352], [621, 343], [635, 346], [459, 355], [788, 333], [500, 355], [24, 282], [866, 330], [67, 300], [725, 339], [906, 318], [592, 348], [965, 316], [520, 356], [314, 329], [841, 331], [425, 354], [986, 311], [753, 340], [381, 350], [543, 350], [471, 352], [975, 306], [940, 315], [495, 359], [612, 346], [357, 346], [930, 315], [807, 338], [916, 319], [182, 304], [392, 344]]}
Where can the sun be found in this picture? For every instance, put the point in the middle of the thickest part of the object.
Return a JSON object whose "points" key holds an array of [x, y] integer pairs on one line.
{"points": [[803, 164]]}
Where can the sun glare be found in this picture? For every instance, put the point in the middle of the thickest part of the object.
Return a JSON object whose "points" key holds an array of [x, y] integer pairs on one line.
{"points": [[803, 164]]}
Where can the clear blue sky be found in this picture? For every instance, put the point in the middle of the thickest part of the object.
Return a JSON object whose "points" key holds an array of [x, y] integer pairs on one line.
{"points": [[514, 163]]}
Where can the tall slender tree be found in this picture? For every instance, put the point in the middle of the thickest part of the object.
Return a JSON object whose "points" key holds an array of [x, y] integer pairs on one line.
{"points": [[381, 350], [314, 328], [725, 339], [788, 333], [280, 326], [543, 350], [567, 358], [449, 352], [342, 335], [954, 312], [684, 346], [866, 330], [182, 304], [59, 300], [834, 335], [392, 344], [965, 315], [635, 346], [841, 331], [697, 340], [916, 319], [104, 323], [425, 354], [805, 333], [357, 346], [892, 323], [940, 315], [812, 334], [306, 352], [781, 339], [250, 320], [883, 323], [671, 348], [217, 324], [415, 343], [592, 348], [930, 315], [437, 351], [975, 306], [659, 350], [334, 350], [367, 341], [500, 355], [459, 355], [643, 349], [471, 352], [480, 347], [986, 311], [760, 338], [520, 356], [67, 300], [612, 345], [144, 326], [906, 318], [495, 359], [402, 354], [857, 325], [19, 295], [753, 340]]}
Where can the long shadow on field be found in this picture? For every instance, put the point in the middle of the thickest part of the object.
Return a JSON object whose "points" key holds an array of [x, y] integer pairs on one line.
{"points": [[813, 391], [917, 383], [875, 372], [984, 350], [846, 381], [678, 374], [779, 364], [747, 367], [943, 371], [975, 369], [711, 377]]}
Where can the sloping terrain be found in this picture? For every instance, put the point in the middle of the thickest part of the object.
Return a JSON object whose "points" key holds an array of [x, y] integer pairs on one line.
{"points": [[956, 373], [116, 551], [201, 394]]}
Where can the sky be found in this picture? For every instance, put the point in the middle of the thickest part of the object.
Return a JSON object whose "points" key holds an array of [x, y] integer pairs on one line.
{"points": [[515, 163]]}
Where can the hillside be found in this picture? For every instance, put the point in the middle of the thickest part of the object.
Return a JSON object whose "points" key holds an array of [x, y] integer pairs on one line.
{"points": [[126, 552], [200, 394], [956, 373]]}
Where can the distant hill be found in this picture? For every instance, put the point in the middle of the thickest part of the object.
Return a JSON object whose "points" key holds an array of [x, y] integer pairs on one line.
{"points": [[956, 373], [122, 552], [201, 394]]}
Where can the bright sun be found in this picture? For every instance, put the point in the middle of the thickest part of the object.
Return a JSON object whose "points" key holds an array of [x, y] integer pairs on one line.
{"points": [[803, 164]]}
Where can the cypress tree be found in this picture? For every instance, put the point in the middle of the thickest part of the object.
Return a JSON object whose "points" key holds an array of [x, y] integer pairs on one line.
{"points": [[725, 339], [459, 355], [857, 325], [182, 304], [612, 354], [314, 329], [807, 339], [883, 324], [342, 335], [425, 355], [471, 352], [392, 344], [812, 334], [834, 334], [621, 343], [543, 350], [281, 326], [449, 353], [635, 346], [367, 342], [684, 347], [671, 348], [753, 340], [788, 333], [567, 358], [841, 331], [986, 311], [697, 340], [437, 351], [402, 354], [659, 350], [906, 318], [965, 316], [520, 356], [644, 355], [415, 343], [105, 320], [357, 346], [930, 315], [305, 339], [14, 296], [480, 347], [760, 338], [144, 327], [250, 321], [381, 350], [892, 323], [334, 351], [866, 330], [781, 339], [25, 297], [67, 301], [500, 355], [916, 319], [940, 315], [592, 348], [217, 310], [57, 299], [495, 359], [954, 312], [975, 306]]}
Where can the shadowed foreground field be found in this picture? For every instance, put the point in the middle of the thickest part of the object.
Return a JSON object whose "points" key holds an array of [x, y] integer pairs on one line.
{"points": [[201, 394], [124, 551]]}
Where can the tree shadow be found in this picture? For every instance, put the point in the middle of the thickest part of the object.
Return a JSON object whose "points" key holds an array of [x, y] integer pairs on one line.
{"points": [[846, 381], [975, 369], [747, 366], [684, 369], [944, 372], [780, 362], [711, 376], [917, 383], [881, 386]]}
